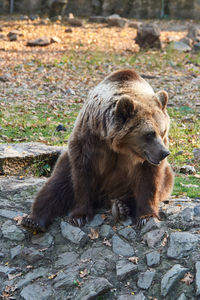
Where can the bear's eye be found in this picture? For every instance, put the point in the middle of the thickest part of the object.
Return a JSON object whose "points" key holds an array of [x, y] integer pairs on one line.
{"points": [[150, 135]]}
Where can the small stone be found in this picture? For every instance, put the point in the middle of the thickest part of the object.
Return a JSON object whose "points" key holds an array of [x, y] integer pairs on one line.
{"points": [[23, 18], [66, 258], [182, 297], [154, 237], [171, 278], [74, 234], [68, 30], [181, 47], [2, 36], [116, 20], [97, 252], [31, 255], [187, 170], [197, 278], [125, 268], [10, 214], [70, 92], [187, 214], [106, 231], [139, 296], [4, 78], [152, 224], [120, 247], [55, 39], [197, 210], [186, 40], [44, 41], [75, 22], [134, 24], [65, 279], [12, 232], [181, 243], [196, 153], [153, 258], [13, 37], [43, 240], [93, 288], [148, 35], [197, 46], [5, 270], [145, 279], [33, 17], [128, 233], [15, 251], [36, 291], [14, 32], [37, 273], [96, 221]]}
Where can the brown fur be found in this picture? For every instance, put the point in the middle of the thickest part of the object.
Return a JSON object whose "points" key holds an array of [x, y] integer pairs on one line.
{"points": [[117, 150]]}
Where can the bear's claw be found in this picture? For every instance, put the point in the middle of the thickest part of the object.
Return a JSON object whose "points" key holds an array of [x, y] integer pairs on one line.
{"points": [[120, 210], [31, 224], [79, 222], [142, 221]]}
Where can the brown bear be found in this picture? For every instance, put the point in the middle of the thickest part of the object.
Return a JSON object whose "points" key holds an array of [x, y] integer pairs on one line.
{"points": [[116, 156]]}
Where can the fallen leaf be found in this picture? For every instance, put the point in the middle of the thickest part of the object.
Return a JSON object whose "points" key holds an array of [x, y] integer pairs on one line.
{"points": [[188, 278], [84, 273], [134, 259], [94, 234], [106, 242]]}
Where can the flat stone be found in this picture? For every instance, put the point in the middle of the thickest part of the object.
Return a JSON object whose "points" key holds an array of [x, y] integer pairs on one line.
{"points": [[171, 278], [36, 291], [148, 35], [75, 22], [97, 19], [31, 255], [69, 91], [10, 214], [125, 268], [197, 210], [97, 252], [66, 258], [73, 234], [152, 224], [181, 47], [154, 237], [116, 20], [181, 243], [145, 279], [16, 157], [120, 247], [196, 153], [197, 278], [182, 297], [128, 233], [187, 214], [43, 240], [106, 231], [37, 273], [44, 41], [127, 222], [5, 270], [55, 39], [139, 296], [153, 258], [65, 279], [96, 221], [15, 251], [93, 288], [12, 232]]}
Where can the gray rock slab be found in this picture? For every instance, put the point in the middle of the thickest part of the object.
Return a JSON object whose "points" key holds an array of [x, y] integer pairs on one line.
{"points": [[36, 291], [128, 233], [43, 240], [171, 277], [93, 288], [153, 258], [12, 232], [181, 47], [5, 270], [187, 214], [16, 157], [31, 255], [139, 296], [182, 297], [197, 278], [125, 268], [15, 251], [66, 258], [154, 237], [65, 279], [96, 221], [10, 214], [37, 273], [73, 234], [145, 279], [181, 243], [152, 224], [120, 247], [97, 252], [106, 231]]}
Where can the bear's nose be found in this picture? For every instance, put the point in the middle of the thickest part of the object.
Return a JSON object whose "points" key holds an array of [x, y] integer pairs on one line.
{"points": [[164, 154]]}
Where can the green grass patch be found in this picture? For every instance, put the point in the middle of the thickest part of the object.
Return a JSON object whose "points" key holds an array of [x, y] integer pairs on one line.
{"points": [[187, 186]]}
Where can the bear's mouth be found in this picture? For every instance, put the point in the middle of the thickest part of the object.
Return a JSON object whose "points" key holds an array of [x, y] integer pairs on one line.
{"points": [[151, 161]]}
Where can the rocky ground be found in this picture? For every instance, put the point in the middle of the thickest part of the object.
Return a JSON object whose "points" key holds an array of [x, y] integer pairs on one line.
{"points": [[102, 260]]}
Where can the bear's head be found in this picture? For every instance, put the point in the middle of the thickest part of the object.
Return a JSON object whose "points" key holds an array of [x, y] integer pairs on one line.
{"points": [[141, 128]]}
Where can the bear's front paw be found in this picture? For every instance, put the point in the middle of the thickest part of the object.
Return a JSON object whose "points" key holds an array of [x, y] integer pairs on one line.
{"points": [[142, 220], [120, 210], [31, 224]]}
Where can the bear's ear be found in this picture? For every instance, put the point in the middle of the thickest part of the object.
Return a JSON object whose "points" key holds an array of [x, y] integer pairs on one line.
{"points": [[163, 98], [124, 108]]}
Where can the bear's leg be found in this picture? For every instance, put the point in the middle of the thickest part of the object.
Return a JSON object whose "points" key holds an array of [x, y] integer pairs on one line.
{"points": [[153, 184], [54, 199]]}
